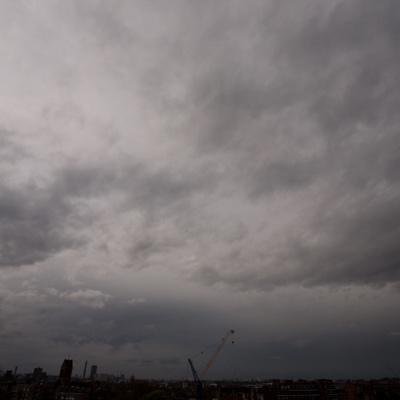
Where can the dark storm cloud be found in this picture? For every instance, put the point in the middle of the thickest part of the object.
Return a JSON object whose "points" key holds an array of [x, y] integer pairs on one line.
{"points": [[134, 330], [349, 239], [361, 88], [173, 361], [311, 357], [34, 220], [31, 226], [339, 82], [31, 218], [359, 217], [141, 186], [85, 324], [331, 71], [273, 176], [362, 247], [9, 150]]}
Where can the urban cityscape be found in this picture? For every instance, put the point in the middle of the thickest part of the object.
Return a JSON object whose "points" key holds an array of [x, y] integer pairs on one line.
{"points": [[90, 384]]}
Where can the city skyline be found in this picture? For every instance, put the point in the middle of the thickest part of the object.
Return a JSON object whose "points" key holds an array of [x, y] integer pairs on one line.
{"points": [[170, 170]]}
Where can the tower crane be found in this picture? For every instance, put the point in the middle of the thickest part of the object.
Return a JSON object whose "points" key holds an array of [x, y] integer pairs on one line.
{"points": [[199, 383], [197, 379]]}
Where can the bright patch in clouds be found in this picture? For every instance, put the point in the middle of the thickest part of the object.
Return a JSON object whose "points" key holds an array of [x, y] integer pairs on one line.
{"points": [[88, 297]]}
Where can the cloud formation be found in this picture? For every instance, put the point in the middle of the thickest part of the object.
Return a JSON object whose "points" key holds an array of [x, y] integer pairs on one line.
{"points": [[171, 171]]}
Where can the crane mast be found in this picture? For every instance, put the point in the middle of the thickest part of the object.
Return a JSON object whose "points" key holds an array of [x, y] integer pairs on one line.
{"points": [[199, 383]]}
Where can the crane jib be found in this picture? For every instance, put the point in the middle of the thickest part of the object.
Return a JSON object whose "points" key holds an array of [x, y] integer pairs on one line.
{"points": [[217, 350]]}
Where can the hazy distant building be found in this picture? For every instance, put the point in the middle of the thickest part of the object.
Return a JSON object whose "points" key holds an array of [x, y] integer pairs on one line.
{"points": [[8, 374], [37, 375], [93, 371], [66, 371], [84, 370]]}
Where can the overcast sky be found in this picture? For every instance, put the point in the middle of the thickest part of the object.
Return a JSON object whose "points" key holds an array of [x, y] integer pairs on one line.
{"points": [[170, 170]]}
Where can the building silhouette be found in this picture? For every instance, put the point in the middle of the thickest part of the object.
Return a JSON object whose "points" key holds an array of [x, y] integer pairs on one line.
{"points": [[66, 371], [84, 370], [37, 374], [93, 371]]}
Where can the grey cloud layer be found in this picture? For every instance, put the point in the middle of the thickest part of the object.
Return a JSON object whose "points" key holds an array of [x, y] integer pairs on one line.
{"points": [[172, 170], [308, 112], [341, 145]]}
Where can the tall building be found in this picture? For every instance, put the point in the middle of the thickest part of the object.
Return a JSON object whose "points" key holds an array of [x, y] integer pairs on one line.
{"points": [[37, 374], [93, 371], [66, 371], [84, 370]]}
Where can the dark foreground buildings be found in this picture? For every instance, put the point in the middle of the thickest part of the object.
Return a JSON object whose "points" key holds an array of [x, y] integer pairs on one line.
{"points": [[321, 389], [39, 386]]}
